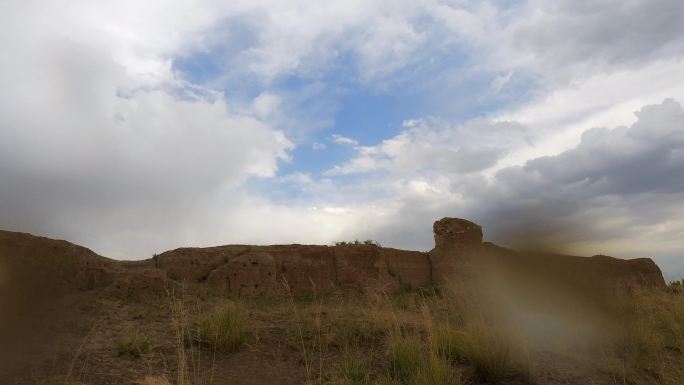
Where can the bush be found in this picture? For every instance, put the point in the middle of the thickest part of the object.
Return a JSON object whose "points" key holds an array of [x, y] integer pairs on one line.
{"points": [[405, 357], [649, 338], [159, 380], [223, 329], [435, 372], [448, 343], [136, 346], [386, 381], [490, 358], [490, 353], [357, 242], [353, 369]]}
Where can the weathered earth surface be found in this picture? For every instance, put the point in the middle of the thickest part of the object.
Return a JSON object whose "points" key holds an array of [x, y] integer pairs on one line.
{"points": [[55, 295], [50, 266], [457, 244], [38, 266]]}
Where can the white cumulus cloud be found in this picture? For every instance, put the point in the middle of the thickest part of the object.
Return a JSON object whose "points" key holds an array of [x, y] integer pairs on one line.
{"points": [[341, 139]]}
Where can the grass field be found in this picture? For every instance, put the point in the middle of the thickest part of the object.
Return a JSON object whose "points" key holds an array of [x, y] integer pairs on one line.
{"points": [[483, 334], [429, 336]]}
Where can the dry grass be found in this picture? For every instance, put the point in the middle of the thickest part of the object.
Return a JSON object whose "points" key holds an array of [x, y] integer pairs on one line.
{"points": [[158, 380], [405, 357], [135, 346], [436, 371], [648, 344], [491, 354], [447, 342], [189, 370], [435, 339], [223, 329], [353, 369]]}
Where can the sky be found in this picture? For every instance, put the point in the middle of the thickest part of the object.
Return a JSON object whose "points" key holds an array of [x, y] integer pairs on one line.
{"points": [[133, 127]]}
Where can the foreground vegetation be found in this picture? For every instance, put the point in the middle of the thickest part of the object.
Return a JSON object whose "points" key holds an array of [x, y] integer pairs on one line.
{"points": [[423, 337]]}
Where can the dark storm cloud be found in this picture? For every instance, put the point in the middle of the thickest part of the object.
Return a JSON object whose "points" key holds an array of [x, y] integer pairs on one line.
{"points": [[630, 175], [602, 32], [619, 191]]}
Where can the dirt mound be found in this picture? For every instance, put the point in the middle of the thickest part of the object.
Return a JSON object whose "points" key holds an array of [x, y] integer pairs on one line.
{"points": [[58, 292], [250, 273], [258, 269], [460, 255], [50, 267], [596, 274], [35, 264]]}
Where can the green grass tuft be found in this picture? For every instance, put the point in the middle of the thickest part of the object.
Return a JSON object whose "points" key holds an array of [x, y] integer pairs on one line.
{"points": [[136, 346], [490, 354], [436, 371], [405, 357], [353, 370], [448, 343], [224, 329]]}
